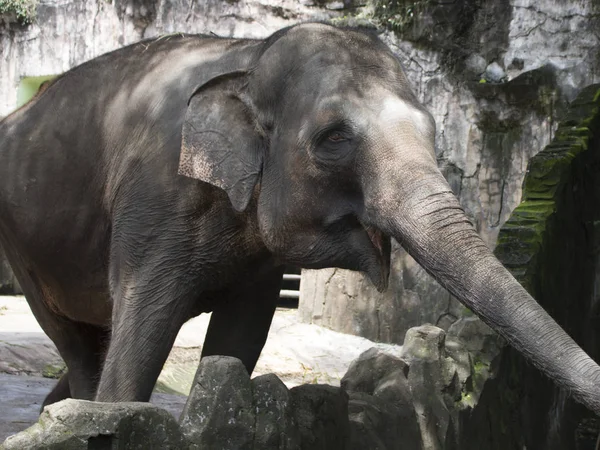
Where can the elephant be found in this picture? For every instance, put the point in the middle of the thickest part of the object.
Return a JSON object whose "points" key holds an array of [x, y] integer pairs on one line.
{"points": [[178, 175]]}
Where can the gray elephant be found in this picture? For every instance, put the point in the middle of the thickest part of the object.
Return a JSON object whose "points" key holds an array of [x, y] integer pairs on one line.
{"points": [[178, 175]]}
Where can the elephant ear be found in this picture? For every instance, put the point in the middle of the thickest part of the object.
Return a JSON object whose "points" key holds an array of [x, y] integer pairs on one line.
{"points": [[221, 143]]}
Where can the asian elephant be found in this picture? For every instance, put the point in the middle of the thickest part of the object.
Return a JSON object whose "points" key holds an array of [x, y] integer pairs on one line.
{"points": [[178, 175]]}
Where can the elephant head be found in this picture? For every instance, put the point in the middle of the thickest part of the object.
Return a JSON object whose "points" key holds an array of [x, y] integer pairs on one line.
{"points": [[321, 132]]}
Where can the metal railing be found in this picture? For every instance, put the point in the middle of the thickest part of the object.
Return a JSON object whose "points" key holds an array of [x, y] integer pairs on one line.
{"points": [[289, 293]]}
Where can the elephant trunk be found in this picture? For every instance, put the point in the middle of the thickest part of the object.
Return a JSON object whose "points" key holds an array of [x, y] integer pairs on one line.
{"points": [[421, 212]]}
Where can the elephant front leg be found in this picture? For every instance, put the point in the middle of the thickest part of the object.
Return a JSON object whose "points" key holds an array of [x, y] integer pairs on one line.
{"points": [[138, 350], [148, 311], [240, 324]]}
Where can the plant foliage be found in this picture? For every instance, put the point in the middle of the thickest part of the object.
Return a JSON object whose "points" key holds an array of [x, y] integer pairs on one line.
{"points": [[398, 15], [22, 10]]}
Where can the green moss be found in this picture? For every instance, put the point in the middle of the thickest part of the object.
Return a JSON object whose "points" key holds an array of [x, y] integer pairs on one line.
{"points": [[523, 235], [354, 21], [54, 370], [397, 15], [466, 312], [546, 97], [566, 133], [467, 399], [478, 366], [22, 10]]}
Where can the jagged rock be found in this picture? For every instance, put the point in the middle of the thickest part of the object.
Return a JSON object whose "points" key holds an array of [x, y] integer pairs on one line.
{"points": [[219, 413], [462, 363], [367, 422], [495, 73], [82, 425], [476, 336], [322, 416], [379, 424], [425, 343], [382, 415], [381, 375], [276, 427], [475, 64], [420, 395], [434, 384], [369, 369]]}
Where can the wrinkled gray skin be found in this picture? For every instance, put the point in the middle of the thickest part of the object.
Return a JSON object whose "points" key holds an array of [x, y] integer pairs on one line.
{"points": [[177, 175]]}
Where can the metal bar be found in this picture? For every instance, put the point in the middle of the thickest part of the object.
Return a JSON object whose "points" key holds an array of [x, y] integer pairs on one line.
{"points": [[286, 293], [291, 276]]}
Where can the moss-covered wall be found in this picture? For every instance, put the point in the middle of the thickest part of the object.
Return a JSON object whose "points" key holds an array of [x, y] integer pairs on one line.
{"points": [[551, 244]]}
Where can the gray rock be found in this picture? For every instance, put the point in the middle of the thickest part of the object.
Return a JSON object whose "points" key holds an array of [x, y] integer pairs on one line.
{"points": [[495, 73], [379, 424], [20, 398], [218, 413], [369, 369], [434, 385], [462, 362], [382, 414], [322, 416], [394, 388], [474, 346], [475, 64], [476, 336], [276, 427], [82, 425], [424, 343]]}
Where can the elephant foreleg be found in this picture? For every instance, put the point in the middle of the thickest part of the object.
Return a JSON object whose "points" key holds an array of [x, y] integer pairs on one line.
{"points": [[148, 312], [239, 326], [152, 292]]}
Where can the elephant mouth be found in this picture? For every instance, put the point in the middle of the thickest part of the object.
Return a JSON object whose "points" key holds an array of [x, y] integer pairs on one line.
{"points": [[382, 247], [348, 243]]}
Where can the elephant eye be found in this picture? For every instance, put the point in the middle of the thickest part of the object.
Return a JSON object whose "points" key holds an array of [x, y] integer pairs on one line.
{"points": [[335, 145], [336, 136]]}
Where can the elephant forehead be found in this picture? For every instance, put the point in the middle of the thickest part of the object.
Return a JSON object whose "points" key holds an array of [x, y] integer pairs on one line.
{"points": [[394, 110]]}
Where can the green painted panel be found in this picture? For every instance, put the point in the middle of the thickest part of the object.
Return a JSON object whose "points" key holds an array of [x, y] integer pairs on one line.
{"points": [[29, 86]]}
